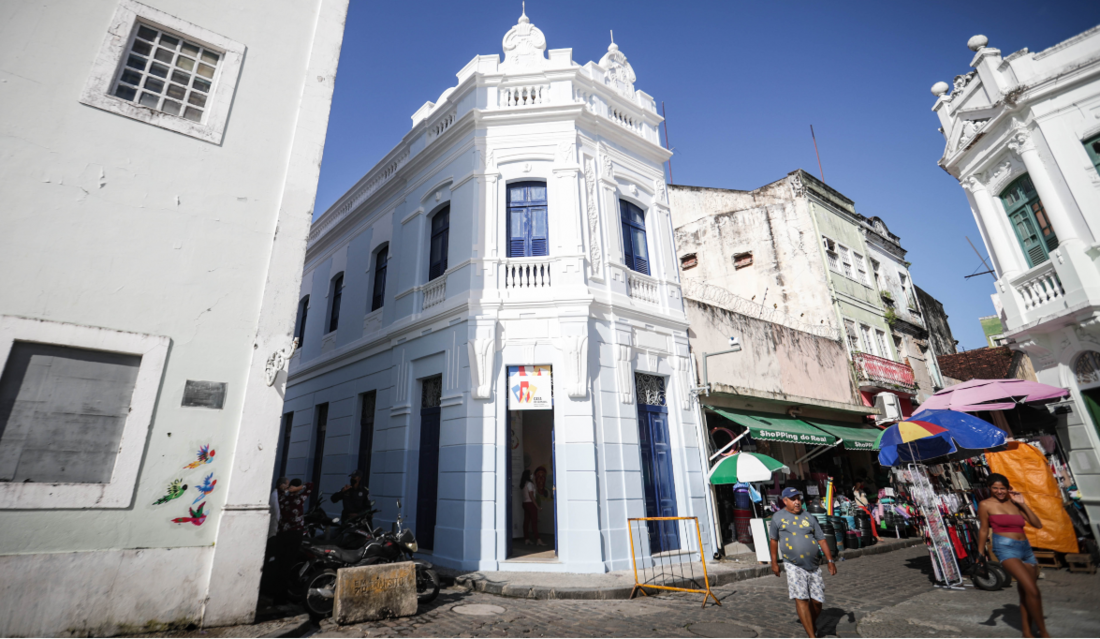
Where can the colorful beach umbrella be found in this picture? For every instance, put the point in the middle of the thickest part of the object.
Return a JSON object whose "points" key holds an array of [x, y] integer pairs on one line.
{"points": [[745, 467], [934, 433]]}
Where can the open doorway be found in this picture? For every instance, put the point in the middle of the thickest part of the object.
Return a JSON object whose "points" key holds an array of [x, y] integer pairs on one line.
{"points": [[532, 512]]}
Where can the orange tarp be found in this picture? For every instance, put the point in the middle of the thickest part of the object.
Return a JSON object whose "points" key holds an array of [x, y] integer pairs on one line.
{"points": [[1027, 471]]}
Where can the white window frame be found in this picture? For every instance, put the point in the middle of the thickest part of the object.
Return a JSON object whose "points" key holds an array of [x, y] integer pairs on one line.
{"points": [[852, 335], [109, 62], [846, 262], [861, 268], [119, 491], [880, 342], [831, 254], [867, 337]]}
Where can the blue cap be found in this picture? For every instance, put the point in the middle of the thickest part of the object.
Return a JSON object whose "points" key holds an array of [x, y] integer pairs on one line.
{"points": [[790, 492]]}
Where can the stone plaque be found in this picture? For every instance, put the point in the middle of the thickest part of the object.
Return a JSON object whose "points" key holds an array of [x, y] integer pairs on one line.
{"points": [[368, 593], [204, 394]]}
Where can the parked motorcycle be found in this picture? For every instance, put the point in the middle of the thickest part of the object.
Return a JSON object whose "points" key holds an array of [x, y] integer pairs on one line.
{"points": [[317, 577]]}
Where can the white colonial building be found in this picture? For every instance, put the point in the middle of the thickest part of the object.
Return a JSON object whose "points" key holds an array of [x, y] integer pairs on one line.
{"points": [[499, 294], [158, 165], [1023, 139]]}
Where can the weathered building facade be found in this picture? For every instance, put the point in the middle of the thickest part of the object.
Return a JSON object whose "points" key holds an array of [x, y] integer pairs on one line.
{"points": [[1023, 139], [156, 195], [797, 248], [498, 295]]}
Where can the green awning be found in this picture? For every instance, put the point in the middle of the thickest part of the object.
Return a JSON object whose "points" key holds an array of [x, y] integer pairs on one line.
{"points": [[776, 427], [855, 438]]}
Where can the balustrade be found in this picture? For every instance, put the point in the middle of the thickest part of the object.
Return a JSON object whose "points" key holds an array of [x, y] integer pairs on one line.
{"points": [[526, 275], [874, 369], [526, 95], [1039, 287], [435, 292], [642, 288]]}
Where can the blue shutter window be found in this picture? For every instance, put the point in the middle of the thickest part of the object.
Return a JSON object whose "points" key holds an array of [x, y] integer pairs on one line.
{"points": [[300, 325], [1029, 220], [381, 260], [337, 293], [527, 226], [437, 261], [635, 248]]}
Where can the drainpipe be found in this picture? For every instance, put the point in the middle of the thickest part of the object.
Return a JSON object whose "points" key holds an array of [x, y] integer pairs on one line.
{"points": [[711, 502]]}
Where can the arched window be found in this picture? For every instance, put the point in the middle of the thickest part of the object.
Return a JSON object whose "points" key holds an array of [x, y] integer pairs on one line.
{"points": [[635, 250], [1029, 220], [527, 233], [300, 324], [437, 257], [334, 308], [381, 260]]}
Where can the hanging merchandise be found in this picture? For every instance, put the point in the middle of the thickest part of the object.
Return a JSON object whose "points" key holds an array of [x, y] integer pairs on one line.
{"points": [[1026, 469], [941, 548]]}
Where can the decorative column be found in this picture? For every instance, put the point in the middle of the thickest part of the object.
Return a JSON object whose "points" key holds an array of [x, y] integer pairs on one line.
{"points": [[1004, 246], [1023, 144]]}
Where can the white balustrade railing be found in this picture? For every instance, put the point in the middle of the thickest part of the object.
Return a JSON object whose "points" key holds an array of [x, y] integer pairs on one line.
{"points": [[442, 125], [624, 119], [525, 274], [525, 95], [642, 288], [1039, 287], [435, 292]]}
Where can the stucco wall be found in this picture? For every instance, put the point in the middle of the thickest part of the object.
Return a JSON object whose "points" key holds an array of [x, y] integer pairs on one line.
{"points": [[773, 358], [786, 273]]}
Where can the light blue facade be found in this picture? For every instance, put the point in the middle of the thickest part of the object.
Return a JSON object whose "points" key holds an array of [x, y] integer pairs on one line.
{"points": [[592, 139]]}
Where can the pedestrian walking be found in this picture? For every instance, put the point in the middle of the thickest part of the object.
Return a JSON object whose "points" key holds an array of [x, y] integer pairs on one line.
{"points": [[795, 537], [1004, 515]]}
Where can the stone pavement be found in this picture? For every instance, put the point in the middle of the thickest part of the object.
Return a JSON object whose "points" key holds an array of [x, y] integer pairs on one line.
{"points": [[887, 595]]}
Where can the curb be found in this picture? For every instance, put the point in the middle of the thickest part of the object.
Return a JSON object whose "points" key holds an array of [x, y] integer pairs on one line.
{"points": [[526, 591]]}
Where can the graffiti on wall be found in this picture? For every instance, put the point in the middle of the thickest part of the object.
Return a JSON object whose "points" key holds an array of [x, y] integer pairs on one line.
{"points": [[175, 490]]}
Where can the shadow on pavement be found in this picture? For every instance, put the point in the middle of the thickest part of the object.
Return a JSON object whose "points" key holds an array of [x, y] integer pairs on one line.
{"points": [[1009, 613], [924, 565], [830, 618]]}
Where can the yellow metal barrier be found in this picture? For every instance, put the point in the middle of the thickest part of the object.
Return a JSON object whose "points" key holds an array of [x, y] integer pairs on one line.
{"points": [[664, 563]]}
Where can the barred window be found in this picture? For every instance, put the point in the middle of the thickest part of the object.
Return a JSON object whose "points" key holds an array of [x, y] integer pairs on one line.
{"points": [[650, 389], [167, 73]]}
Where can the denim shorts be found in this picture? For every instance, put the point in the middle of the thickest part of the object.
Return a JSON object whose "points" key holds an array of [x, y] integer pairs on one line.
{"points": [[1006, 548]]}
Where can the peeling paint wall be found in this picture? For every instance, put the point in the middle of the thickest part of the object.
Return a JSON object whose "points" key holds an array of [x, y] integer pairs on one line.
{"points": [[773, 358], [786, 273], [116, 223]]}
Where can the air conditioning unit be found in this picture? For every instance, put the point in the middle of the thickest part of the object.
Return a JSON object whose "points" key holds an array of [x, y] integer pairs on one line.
{"points": [[890, 406]]}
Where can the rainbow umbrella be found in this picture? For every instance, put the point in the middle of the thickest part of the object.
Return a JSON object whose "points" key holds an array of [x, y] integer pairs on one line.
{"points": [[745, 467], [934, 433]]}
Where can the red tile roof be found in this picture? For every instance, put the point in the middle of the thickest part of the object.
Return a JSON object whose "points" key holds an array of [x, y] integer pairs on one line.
{"points": [[980, 363]]}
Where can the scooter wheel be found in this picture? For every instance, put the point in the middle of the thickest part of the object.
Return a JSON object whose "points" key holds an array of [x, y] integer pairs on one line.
{"points": [[427, 585], [321, 593]]}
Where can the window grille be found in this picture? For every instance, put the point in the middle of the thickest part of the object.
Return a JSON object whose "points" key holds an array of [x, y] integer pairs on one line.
{"points": [[431, 392], [650, 389], [167, 73], [846, 261], [861, 268]]}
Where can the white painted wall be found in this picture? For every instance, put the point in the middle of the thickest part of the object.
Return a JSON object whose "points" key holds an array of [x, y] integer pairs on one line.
{"points": [[1031, 112], [593, 139], [116, 223]]}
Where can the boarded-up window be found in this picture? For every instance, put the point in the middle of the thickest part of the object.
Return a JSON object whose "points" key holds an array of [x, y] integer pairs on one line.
{"points": [[741, 260], [689, 261], [62, 411]]}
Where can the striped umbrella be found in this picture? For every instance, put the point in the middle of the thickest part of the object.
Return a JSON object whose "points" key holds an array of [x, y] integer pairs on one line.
{"points": [[934, 433], [745, 467]]}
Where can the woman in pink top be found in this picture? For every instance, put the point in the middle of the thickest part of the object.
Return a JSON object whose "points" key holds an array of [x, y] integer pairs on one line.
{"points": [[1006, 513]]}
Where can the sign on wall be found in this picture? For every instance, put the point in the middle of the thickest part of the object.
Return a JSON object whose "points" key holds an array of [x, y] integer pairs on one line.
{"points": [[530, 388]]}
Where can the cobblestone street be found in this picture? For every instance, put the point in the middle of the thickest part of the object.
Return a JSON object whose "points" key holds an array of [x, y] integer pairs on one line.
{"points": [[887, 595]]}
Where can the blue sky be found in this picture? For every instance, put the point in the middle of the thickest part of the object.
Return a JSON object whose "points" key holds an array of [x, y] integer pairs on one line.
{"points": [[742, 82]]}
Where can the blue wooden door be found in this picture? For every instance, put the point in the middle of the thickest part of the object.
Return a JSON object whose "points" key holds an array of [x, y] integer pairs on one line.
{"points": [[427, 482], [657, 477]]}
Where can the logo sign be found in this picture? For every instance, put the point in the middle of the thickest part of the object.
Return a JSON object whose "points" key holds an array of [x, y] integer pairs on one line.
{"points": [[794, 438], [530, 388]]}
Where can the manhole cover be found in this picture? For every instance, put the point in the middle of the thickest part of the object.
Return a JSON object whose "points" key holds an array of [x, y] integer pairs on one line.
{"points": [[486, 610], [720, 629]]}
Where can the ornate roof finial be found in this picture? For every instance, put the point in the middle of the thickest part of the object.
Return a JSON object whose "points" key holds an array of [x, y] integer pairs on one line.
{"points": [[613, 46], [523, 19], [524, 46]]}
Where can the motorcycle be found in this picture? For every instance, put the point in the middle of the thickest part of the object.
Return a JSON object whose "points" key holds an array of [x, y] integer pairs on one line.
{"points": [[317, 578]]}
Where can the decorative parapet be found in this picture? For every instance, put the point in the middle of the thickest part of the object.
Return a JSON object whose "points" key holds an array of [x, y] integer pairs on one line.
{"points": [[879, 370], [718, 296], [382, 175]]}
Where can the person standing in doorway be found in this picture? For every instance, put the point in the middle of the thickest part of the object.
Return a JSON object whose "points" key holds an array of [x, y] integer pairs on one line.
{"points": [[1006, 513], [530, 510], [795, 536]]}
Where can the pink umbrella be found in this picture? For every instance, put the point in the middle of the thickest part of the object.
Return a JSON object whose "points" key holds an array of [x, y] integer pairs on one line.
{"points": [[973, 396]]}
